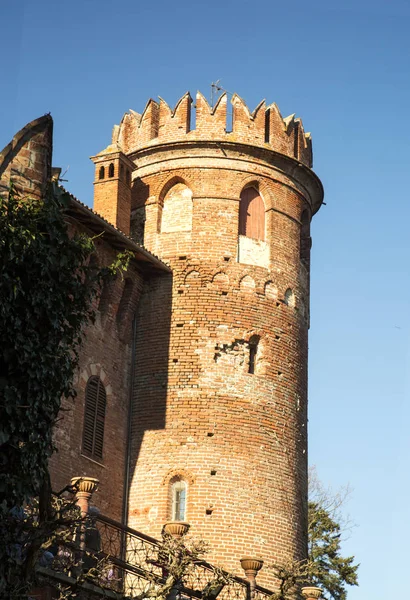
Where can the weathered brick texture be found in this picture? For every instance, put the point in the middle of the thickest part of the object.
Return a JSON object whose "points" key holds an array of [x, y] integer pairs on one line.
{"points": [[106, 352], [113, 180], [26, 160], [219, 393], [238, 438]]}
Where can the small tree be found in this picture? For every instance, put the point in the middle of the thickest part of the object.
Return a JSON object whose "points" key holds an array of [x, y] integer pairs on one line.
{"points": [[325, 567], [328, 569], [327, 524], [178, 559]]}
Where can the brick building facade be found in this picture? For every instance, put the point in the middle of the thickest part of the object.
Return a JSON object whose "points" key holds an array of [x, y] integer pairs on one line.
{"points": [[199, 357]]}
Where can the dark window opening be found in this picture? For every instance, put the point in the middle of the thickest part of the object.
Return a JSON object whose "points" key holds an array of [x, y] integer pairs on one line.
{"points": [[101, 173], [94, 418], [111, 170], [253, 350]]}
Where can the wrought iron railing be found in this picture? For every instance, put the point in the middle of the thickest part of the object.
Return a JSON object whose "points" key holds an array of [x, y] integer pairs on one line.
{"points": [[137, 555], [129, 563]]}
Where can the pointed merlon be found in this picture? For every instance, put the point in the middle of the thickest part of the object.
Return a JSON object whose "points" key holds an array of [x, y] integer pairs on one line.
{"points": [[303, 152], [165, 114], [136, 115], [275, 129], [182, 113], [115, 134], [263, 127], [250, 127], [241, 117], [127, 135], [149, 123], [289, 122], [210, 122], [258, 117], [175, 124]]}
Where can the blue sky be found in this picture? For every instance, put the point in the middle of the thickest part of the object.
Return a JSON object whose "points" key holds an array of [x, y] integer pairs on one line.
{"points": [[345, 71]]}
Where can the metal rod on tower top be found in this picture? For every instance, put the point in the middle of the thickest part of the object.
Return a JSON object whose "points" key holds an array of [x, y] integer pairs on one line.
{"points": [[215, 88]]}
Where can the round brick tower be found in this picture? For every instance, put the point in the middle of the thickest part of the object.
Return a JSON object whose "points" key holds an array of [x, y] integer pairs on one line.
{"points": [[219, 425]]}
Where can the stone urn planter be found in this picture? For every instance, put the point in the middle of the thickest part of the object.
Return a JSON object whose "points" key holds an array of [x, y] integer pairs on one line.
{"points": [[177, 529], [251, 566], [85, 486], [311, 592]]}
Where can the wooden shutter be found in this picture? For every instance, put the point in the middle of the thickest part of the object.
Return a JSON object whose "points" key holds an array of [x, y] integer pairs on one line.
{"points": [[94, 418], [252, 214]]}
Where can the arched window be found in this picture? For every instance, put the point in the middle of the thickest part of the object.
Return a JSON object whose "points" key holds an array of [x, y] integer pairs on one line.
{"points": [[177, 209], [111, 170], [101, 173], [252, 214], [94, 418], [178, 500]]}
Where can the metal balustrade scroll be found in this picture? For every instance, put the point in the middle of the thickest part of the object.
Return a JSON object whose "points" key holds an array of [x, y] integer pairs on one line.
{"points": [[131, 566]]}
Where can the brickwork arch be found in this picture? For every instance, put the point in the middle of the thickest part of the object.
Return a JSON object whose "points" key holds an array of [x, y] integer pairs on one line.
{"points": [[220, 281], [270, 290], [247, 284], [259, 183], [176, 208], [97, 370], [193, 278], [166, 187], [252, 214], [173, 474]]}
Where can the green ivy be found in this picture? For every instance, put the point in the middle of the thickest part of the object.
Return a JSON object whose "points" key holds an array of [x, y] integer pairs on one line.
{"points": [[46, 300], [43, 310]]}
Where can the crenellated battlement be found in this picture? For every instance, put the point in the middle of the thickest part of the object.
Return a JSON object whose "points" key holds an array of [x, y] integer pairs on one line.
{"points": [[264, 127]]}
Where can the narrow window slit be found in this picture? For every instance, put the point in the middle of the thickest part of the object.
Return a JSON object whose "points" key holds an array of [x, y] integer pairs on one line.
{"points": [[179, 500], [253, 350]]}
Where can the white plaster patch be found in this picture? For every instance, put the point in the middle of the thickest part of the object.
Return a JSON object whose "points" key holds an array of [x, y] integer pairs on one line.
{"points": [[253, 252], [177, 209]]}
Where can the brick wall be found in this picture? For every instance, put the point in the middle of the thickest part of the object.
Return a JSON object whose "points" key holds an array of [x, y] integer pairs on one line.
{"points": [[105, 352], [112, 191], [237, 438], [26, 160], [235, 434]]}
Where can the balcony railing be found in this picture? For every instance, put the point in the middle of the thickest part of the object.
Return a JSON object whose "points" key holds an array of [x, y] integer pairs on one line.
{"points": [[129, 565]]}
